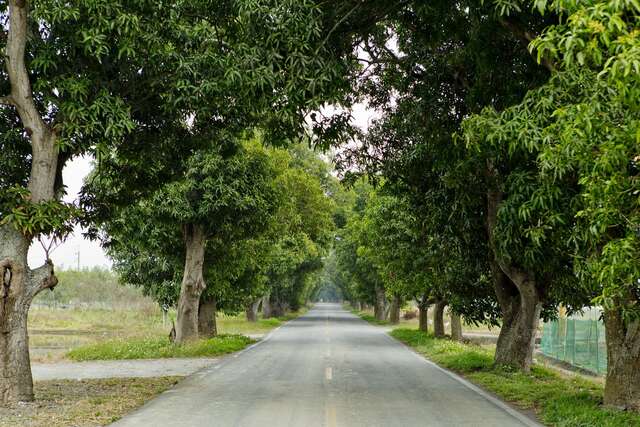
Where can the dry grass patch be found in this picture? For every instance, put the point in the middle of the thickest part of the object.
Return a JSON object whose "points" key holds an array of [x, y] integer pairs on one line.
{"points": [[84, 403]]}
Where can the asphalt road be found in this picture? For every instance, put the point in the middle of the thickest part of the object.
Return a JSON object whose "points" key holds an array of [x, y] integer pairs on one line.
{"points": [[327, 368]]}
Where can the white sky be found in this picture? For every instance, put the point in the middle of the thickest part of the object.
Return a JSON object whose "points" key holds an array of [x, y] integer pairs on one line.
{"points": [[89, 253], [66, 255]]}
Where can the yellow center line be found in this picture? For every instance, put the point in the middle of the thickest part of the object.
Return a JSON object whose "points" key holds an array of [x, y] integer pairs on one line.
{"points": [[331, 416]]}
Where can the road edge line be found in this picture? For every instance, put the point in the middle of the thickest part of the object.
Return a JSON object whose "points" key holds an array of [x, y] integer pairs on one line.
{"points": [[496, 401]]}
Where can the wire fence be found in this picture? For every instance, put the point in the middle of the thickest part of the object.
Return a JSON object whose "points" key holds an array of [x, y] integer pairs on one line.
{"points": [[578, 340]]}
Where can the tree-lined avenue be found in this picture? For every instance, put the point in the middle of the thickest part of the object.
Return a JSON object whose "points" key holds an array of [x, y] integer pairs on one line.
{"points": [[327, 368]]}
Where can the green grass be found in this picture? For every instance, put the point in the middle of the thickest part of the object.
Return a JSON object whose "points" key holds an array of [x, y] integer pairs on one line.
{"points": [[370, 318], [158, 348], [557, 400], [239, 325], [56, 331]]}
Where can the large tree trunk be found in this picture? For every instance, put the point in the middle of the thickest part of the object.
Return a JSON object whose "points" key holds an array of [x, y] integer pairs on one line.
{"points": [[456, 327], [520, 302], [423, 318], [380, 309], [251, 310], [394, 311], [192, 284], [438, 319], [19, 285], [622, 388], [356, 305], [207, 327], [266, 307]]}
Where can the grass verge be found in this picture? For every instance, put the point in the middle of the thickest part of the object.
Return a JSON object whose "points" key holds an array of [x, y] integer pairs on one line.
{"points": [[239, 324], [370, 318], [557, 400], [54, 332], [158, 348], [84, 403]]}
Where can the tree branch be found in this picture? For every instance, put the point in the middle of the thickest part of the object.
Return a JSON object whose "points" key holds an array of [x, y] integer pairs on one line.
{"points": [[42, 278], [21, 91], [6, 100], [526, 37]]}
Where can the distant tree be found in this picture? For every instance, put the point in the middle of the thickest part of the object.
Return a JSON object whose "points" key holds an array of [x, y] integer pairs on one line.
{"points": [[224, 196]]}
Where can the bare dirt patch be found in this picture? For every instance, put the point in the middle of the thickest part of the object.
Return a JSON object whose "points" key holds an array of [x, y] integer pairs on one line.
{"points": [[85, 402]]}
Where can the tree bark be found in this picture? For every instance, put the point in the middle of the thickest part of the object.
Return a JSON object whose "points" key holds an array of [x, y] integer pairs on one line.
{"points": [[278, 308], [266, 307], [520, 300], [18, 286], [456, 327], [423, 318], [207, 327], [252, 310], [438, 319], [622, 388], [521, 304], [379, 309], [192, 284], [394, 312]]}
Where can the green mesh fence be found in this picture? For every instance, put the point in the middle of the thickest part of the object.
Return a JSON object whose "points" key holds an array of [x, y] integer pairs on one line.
{"points": [[579, 341]]}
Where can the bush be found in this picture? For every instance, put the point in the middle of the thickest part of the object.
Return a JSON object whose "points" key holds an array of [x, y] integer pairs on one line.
{"points": [[410, 314]]}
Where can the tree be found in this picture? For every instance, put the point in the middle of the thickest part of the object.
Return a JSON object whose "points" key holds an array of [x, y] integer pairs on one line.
{"points": [[420, 258], [355, 259], [580, 133], [80, 77], [225, 195], [448, 63], [302, 231], [54, 105]]}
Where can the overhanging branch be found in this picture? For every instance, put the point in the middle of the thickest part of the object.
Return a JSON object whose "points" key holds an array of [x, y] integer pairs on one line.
{"points": [[6, 100], [42, 278]]}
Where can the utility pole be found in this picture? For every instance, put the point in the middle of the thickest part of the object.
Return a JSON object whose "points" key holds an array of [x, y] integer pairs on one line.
{"points": [[78, 258]]}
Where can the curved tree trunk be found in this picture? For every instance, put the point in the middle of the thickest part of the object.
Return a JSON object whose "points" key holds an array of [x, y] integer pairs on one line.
{"points": [[380, 309], [252, 310], [520, 301], [394, 311], [456, 327], [438, 319], [18, 286], [622, 388], [192, 284], [521, 305], [207, 327]]}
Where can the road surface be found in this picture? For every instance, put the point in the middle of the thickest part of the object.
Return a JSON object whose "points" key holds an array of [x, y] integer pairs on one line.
{"points": [[327, 368]]}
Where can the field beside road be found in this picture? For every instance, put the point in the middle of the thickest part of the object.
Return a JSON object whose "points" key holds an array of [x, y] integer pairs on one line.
{"points": [[83, 403], [89, 316]]}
